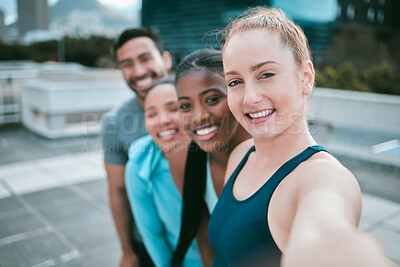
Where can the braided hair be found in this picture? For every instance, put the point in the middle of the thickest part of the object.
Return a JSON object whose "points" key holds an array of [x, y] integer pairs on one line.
{"points": [[194, 206]]}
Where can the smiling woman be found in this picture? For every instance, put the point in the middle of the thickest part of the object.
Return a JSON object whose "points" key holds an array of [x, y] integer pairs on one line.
{"points": [[215, 133], [162, 117], [154, 176], [288, 201]]}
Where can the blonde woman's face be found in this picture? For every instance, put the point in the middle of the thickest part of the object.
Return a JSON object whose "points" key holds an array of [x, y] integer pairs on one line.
{"points": [[266, 87]]}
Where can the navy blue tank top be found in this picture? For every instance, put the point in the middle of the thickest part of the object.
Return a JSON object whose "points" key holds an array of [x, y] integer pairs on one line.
{"points": [[238, 230]]}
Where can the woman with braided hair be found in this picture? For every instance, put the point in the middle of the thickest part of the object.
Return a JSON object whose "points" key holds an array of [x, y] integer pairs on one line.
{"points": [[215, 133]]}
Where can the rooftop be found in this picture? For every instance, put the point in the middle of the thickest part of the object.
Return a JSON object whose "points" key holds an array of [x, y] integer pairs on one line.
{"points": [[54, 205]]}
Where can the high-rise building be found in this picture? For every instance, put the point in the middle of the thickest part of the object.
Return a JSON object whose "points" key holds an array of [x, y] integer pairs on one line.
{"points": [[373, 14], [3, 28], [366, 32], [185, 25], [32, 15]]}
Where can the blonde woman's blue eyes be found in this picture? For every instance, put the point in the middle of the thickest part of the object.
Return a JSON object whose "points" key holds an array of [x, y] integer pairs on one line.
{"points": [[233, 83], [267, 75]]}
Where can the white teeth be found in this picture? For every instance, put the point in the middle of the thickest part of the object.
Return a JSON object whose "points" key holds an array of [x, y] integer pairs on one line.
{"points": [[145, 82], [167, 133], [260, 114], [206, 131]]}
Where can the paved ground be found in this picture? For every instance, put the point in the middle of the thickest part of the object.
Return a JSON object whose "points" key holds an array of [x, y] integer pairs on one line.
{"points": [[54, 206]]}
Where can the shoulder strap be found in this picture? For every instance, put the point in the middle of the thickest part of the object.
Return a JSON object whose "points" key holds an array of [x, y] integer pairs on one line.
{"points": [[240, 166], [290, 165]]}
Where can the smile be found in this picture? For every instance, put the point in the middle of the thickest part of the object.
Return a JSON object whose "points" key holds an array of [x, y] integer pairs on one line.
{"points": [[167, 133], [261, 114], [145, 82], [206, 131]]}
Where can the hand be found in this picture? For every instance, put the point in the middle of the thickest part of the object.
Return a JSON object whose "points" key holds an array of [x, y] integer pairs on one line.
{"points": [[129, 260]]}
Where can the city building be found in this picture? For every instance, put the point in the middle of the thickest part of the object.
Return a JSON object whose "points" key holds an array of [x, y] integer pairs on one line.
{"points": [[83, 18], [361, 31], [32, 15], [3, 28], [189, 25], [366, 32], [377, 14]]}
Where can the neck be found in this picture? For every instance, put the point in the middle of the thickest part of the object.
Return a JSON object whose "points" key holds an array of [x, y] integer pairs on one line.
{"points": [[176, 153], [221, 157], [276, 150], [140, 101]]}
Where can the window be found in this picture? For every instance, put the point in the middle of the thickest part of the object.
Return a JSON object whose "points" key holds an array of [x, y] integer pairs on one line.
{"points": [[350, 11], [381, 16], [371, 15], [339, 11]]}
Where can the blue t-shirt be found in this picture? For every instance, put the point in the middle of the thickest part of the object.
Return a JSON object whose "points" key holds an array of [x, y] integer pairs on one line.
{"points": [[121, 126], [156, 202]]}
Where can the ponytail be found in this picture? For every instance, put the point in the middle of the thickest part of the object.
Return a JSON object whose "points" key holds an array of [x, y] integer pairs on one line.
{"points": [[194, 188]]}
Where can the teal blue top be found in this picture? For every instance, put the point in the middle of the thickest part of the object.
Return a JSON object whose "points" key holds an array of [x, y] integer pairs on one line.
{"points": [[156, 202], [239, 229]]}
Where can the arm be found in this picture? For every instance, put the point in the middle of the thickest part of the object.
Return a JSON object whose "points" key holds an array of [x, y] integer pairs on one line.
{"points": [[324, 230], [114, 162], [121, 212], [147, 218]]}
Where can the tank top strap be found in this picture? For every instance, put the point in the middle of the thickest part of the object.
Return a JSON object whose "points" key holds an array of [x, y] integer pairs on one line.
{"points": [[290, 165], [240, 166]]}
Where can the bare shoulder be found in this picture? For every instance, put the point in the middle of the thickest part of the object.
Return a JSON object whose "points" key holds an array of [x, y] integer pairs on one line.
{"points": [[324, 172], [236, 156], [325, 168], [327, 195]]}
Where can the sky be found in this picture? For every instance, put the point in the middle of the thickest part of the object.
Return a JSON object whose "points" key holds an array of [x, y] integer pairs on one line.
{"points": [[9, 7]]}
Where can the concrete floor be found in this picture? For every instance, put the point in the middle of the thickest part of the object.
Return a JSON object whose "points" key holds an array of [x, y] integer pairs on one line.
{"points": [[54, 206]]}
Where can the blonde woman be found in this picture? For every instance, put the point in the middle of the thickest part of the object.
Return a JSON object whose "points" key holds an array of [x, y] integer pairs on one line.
{"points": [[285, 195]]}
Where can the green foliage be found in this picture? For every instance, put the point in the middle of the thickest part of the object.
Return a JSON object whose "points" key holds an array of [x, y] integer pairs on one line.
{"points": [[383, 78], [92, 52], [87, 51], [344, 77], [14, 52]]}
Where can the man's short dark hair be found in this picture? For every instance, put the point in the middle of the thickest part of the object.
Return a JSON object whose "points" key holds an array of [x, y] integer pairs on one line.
{"points": [[130, 34]]}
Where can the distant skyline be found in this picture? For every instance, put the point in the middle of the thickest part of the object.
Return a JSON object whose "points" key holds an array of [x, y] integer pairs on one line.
{"points": [[9, 7]]}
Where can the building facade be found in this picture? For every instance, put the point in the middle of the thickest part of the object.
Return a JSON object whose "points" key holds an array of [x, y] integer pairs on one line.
{"points": [[32, 15], [361, 31], [3, 28], [366, 33], [377, 14], [187, 25]]}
